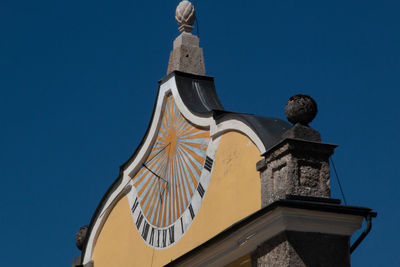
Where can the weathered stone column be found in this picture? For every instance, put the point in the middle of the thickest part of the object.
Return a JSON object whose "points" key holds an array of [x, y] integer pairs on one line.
{"points": [[291, 248], [295, 167], [299, 164], [187, 55]]}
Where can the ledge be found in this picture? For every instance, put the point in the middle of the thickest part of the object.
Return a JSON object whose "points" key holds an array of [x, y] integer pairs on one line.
{"points": [[295, 214]]}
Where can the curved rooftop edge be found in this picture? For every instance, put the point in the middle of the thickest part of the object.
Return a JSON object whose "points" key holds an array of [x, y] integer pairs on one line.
{"points": [[199, 95], [269, 130], [197, 92]]}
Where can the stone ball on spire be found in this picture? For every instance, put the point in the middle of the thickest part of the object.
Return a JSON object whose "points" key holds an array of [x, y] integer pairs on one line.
{"points": [[185, 16], [301, 109]]}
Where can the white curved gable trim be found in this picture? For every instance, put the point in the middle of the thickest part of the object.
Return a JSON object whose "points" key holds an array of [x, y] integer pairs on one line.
{"points": [[230, 124]]}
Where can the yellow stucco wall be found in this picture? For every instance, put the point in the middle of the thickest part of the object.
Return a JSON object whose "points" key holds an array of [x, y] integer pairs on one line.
{"points": [[233, 193]]}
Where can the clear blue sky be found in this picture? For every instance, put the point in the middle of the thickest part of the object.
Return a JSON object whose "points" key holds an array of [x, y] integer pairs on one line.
{"points": [[78, 80]]}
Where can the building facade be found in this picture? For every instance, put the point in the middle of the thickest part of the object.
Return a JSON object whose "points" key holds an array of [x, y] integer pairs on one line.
{"points": [[211, 187]]}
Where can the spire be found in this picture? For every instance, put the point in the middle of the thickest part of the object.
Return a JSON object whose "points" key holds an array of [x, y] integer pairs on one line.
{"points": [[187, 55]]}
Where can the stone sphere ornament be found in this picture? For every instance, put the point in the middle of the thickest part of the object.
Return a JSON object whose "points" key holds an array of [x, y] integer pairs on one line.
{"points": [[301, 109], [185, 16], [80, 237]]}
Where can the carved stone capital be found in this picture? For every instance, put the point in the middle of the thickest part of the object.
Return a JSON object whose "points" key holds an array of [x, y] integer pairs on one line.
{"points": [[296, 167]]}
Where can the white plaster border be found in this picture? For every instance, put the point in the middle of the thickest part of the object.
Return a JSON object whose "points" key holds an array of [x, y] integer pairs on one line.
{"points": [[169, 86]]}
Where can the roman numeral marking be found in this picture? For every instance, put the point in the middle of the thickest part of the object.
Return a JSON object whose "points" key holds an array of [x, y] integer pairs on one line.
{"points": [[158, 238], [191, 211], [208, 164], [164, 243], [139, 221], [182, 226], [145, 230], [151, 241], [171, 234], [200, 189], [135, 205]]}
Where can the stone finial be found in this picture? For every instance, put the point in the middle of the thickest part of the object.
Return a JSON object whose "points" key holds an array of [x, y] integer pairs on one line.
{"points": [[301, 109], [80, 237], [299, 163], [185, 16], [187, 55]]}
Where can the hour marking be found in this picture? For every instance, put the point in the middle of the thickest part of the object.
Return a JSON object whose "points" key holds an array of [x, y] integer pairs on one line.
{"points": [[139, 221], [145, 230], [208, 164], [164, 243], [171, 234], [135, 205], [191, 211], [151, 241], [158, 238], [200, 189], [182, 226]]}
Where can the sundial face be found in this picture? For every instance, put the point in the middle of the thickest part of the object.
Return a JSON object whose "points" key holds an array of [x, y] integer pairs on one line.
{"points": [[170, 185]]}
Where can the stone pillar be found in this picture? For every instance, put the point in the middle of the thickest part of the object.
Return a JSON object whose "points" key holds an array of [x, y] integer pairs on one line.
{"points": [[187, 55], [295, 167], [299, 164], [300, 249]]}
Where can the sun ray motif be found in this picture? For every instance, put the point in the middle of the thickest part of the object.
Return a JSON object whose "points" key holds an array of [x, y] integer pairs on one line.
{"points": [[169, 176]]}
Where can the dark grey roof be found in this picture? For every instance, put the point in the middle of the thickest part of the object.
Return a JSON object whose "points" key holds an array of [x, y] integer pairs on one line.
{"points": [[199, 95], [269, 130]]}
